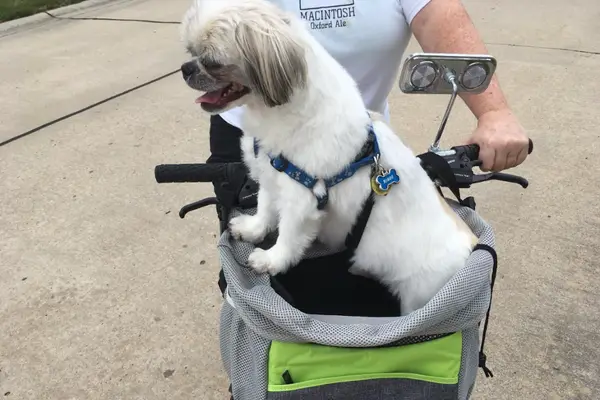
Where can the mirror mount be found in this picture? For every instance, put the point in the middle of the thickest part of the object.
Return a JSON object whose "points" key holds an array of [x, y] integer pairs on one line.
{"points": [[451, 78], [442, 73]]}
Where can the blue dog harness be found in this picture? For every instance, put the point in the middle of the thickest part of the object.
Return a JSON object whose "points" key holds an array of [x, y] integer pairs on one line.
{"points": [[367, 156]]}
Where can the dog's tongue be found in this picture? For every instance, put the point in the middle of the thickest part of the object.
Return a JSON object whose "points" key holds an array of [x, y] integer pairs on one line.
{"points": [[210, 97]]}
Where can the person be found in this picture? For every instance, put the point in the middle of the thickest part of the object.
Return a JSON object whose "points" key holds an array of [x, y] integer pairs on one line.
{"points": [[369, 38]]}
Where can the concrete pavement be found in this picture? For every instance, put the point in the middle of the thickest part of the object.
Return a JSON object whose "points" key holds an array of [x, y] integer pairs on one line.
{"points": [[106, 294]]}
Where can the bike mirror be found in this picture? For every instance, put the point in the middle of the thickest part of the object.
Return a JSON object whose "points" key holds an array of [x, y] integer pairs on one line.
{"points": [[438, 73]]}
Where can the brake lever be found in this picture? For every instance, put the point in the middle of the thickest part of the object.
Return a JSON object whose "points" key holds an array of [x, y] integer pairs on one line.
{"points": [[462, 167], [499, 176], [197, 205]]}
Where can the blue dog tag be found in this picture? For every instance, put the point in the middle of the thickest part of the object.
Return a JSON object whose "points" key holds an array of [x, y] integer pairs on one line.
{"points": [[382, 182]]}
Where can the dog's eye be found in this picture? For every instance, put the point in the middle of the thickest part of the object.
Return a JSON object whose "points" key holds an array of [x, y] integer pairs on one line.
{"points": [[211, 64], [191, 51]]}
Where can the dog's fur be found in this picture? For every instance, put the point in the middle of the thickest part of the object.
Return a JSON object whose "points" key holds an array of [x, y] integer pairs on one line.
{"points": [[302, 104]]}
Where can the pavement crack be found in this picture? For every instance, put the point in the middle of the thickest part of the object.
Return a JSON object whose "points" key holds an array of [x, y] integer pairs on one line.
{"points": [[67, 116], [148, 21], [595, 53]]}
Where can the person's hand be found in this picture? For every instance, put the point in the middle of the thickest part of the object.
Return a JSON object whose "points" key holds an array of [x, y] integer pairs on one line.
{"points": [[502, 140]]}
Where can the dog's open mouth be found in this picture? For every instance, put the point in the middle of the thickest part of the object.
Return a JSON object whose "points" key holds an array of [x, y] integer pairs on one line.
{"points": [[218, 99]]}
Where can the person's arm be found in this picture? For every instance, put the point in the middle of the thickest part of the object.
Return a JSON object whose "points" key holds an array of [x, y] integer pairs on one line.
{"points": [[444, 26]]}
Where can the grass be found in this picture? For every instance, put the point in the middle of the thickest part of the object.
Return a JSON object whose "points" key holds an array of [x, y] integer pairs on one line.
{"points": [[13, 9]]}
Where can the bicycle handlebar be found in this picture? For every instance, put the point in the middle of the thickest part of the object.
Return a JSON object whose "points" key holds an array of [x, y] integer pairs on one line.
{"points": [[472, 150], [241, 191], [461, 160], [233, 187], [181, 173], [220, 172]]}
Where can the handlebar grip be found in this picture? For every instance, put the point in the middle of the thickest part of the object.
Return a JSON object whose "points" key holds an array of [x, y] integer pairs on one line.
{"points": [[472, 150], [177, 173]]}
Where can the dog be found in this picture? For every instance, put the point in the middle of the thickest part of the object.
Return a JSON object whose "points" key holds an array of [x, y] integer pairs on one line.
{"points": [[303, 107]]}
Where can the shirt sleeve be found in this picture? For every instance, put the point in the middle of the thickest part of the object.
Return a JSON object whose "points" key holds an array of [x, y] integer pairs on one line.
{"points": [[412, 7]]}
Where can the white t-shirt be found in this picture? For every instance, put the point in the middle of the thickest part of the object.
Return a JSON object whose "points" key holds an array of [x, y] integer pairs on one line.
{"points": [[368, 37]]}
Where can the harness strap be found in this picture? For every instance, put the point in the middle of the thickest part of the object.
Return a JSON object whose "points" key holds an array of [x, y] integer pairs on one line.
{"points": [[355, 235], [365, 157], [482, 357]]}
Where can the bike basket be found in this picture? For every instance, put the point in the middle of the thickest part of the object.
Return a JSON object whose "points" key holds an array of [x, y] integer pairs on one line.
{"points": [[273, 351]]}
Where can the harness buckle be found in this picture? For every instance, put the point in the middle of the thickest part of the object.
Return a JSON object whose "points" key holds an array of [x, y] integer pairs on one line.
{"points": [[322, 201]]}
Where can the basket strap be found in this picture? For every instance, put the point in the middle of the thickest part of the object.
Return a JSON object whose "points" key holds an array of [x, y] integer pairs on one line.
{"points": [[482, 357]]}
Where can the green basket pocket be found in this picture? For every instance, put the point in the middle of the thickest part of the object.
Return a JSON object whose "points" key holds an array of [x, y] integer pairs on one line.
{"points": [[431, 368]]}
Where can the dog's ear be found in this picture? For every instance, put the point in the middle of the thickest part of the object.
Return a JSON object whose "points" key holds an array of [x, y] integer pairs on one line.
{"points": [[272, 60]]}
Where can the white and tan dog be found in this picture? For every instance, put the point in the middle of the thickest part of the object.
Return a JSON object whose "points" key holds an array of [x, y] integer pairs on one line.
{"points": [[300, 103]]}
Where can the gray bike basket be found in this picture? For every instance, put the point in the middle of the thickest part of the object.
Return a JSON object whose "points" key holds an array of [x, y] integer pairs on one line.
{"points": [[263, 338]]}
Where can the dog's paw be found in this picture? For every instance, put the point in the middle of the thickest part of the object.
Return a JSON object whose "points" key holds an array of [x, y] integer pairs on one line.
{"points": [[248, 228], [263, 261]]}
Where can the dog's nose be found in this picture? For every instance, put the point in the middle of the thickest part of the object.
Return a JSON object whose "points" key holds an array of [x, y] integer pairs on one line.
{"points": [[188, 69]]}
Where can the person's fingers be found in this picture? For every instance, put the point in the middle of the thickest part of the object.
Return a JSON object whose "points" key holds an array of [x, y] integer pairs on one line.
{"points": [[523, 154], [471, 140], [499, 161], [487, 156], [511, 160]]}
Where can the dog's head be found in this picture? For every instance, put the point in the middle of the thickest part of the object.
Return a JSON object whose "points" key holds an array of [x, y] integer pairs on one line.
{"points": [[243, 51]]}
